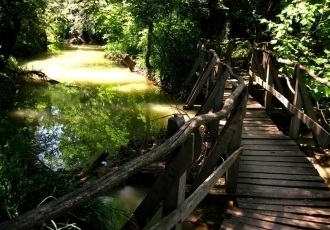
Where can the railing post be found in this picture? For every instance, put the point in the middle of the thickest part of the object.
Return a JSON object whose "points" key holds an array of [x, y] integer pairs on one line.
{"points": [[176, 195], [269, 81], [234, 144], [297, 102]]}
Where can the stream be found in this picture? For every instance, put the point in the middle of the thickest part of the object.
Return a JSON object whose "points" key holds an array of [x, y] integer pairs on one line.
{"points": [[98, 107]]}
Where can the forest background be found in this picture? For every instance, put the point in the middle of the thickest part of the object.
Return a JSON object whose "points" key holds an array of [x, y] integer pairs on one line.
{"points": [[163, 36]]}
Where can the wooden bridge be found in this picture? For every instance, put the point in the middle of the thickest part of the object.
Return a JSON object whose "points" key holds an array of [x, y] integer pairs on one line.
{"points": [[269, 182]]}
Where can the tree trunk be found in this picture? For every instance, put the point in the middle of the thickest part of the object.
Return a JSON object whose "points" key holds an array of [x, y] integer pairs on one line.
{"points": [[149, 44], [8, 36]]}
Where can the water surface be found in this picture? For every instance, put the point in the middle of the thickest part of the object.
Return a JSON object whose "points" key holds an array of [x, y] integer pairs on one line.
{"points": [[97, 107]]}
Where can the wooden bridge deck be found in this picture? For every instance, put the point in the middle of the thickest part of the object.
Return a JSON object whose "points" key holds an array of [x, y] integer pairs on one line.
{"points": [[278, 188]]}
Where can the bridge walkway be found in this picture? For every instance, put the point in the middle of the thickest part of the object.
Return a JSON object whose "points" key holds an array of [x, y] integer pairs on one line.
{"points": [[278, 187]]}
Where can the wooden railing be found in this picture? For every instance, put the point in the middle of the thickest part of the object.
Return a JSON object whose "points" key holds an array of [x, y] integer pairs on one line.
{"points": [[297, 101], [169, 191], [181, 150]]}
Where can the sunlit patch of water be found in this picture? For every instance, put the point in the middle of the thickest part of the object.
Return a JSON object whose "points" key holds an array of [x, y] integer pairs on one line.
{"points": [[101, 108]]}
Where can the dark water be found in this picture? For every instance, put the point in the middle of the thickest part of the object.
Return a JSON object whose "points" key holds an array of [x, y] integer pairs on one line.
{"points": [[98, 107]]}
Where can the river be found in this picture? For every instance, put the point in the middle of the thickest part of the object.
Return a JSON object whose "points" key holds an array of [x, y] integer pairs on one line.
{"points": [[98, 107]]}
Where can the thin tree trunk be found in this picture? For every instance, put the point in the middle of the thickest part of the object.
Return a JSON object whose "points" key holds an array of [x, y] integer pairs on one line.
{"points": [[149, 44], [8, 37]]}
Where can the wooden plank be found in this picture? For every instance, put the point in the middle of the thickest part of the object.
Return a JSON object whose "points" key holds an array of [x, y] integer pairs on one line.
{"points": [[301, 203], [263, 128], [286, 208], [256, 114], [234, 225], [270, 147], [280, 153], [281, 163], [263, 136], [275, 159], [281, 176], [261, 132], [262, 224], [283, 218], [257, 119], [260, 124], [268, 142], [283, 183], [277, 169], [280, 192]]}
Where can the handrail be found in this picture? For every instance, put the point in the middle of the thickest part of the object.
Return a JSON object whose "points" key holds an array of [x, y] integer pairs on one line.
{"points": [[299, 105], [81, 196], [183, 211]]}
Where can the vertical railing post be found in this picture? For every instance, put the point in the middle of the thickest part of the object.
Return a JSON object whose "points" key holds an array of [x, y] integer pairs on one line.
{"points": [[269, 81], [234, 144], [252, 69], [297, 102], [176, 194]]}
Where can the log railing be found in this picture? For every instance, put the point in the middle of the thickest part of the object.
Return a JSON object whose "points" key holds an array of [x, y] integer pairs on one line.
{"points": [[169, 191], [181, 150], [297, 102]]}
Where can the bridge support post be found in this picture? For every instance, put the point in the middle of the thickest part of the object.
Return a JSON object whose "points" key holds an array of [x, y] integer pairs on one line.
{"points": [[234, 144]]}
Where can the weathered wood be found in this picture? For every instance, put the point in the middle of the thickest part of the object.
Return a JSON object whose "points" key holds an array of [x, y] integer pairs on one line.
{"points": [[279, 176], [325, 211], [232, 225], [235, 142], [221, 144], [196, 197], [200, 83], [193, 70], [280, 193], [301, 203], [257, 65], [274, 158], [293, 220], [297, 102], [322, 133], [323, 81], [215, 95], [164, 187], [278, 169], [175, 188], [269, 80], [279, 153], [274, 73], [277, 163], [309, 109], [284, 183]]}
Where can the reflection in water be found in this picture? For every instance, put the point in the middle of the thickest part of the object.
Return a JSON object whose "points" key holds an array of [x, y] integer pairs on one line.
{"points": [[101, 108], [126, 198]]}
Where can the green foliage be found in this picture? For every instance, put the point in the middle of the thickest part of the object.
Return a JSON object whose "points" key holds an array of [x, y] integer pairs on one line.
{"points": [[7, 91], [174, 51], [301, 33]]}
